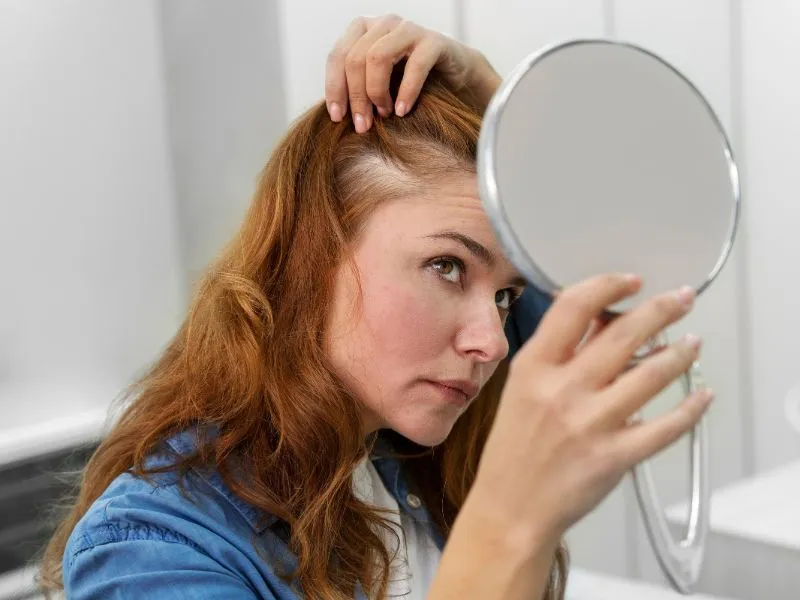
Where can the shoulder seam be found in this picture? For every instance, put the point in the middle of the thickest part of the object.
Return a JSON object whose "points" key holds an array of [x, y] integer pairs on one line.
{"points": [[149, 533]]}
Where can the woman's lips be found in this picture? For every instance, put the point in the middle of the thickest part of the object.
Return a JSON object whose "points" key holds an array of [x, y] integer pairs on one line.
{"points": [[451, 394]]}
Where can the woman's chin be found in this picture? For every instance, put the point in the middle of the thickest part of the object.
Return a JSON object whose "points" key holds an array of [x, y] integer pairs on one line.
{"points": [[428, 432]]}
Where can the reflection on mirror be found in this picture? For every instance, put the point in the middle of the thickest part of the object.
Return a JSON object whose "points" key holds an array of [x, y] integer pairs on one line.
{"points": [[598, 157]]}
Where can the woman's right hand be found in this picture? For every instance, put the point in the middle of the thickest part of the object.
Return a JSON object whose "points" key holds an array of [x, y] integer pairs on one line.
{"points": [[563, 437]]}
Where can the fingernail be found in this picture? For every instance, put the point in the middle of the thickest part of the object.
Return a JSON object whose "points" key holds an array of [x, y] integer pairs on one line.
{"points": [[384, 112], [693, 341], [400, 109], [361, 124], [335, 111], [686, 296]]}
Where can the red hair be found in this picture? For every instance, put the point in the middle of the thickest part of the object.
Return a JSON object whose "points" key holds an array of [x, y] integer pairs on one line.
{"points": [[249, 359]]}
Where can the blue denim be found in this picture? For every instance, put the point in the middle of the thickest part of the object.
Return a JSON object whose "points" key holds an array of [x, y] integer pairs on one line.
{"points": [[158, 539], [525, 316], [148, 539]]}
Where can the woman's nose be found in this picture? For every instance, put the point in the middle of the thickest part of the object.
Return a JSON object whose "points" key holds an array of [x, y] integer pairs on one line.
{"points": [[482, 335]]}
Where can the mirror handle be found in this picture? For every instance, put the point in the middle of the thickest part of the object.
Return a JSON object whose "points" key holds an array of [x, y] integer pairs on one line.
{"points": [[681, 561]]}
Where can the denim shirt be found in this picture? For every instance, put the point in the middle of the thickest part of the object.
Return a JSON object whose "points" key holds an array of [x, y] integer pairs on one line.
{"points": [[149, 539]]}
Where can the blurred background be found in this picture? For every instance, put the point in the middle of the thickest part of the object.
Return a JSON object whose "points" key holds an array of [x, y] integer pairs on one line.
{"points": [[131, 135]]}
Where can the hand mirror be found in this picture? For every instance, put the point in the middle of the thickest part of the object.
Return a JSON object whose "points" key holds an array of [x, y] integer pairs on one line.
{"points": [[598, 157]]}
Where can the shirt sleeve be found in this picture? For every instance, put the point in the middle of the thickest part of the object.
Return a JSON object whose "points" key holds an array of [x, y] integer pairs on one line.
{"points": [[147, 568]]}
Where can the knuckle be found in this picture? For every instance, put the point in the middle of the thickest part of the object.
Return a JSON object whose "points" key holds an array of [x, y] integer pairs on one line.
{"points": [[334, 89], [391, 19], [548, 392], [685, 355], [373, 90], [601, 459], [378, 58], [553, 393], [623, 332], [408, 26], [661, 370], [665, 305], [337, 55], [575, 301], [606, 281], [560, 423], [354, 61]]}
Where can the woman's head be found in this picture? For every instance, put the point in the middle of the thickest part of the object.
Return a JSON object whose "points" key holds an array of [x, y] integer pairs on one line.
{"points": [[415, 327], [364, 275]]}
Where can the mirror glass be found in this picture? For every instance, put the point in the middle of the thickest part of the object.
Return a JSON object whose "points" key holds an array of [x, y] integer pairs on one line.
{"points": [[598, 157]]}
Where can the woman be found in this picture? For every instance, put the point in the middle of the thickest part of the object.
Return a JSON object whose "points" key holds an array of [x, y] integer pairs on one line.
{"points": [[339, 403]]}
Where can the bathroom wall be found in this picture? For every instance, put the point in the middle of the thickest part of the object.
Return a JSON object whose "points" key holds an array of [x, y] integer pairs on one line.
{"points": [[223, 71], [88, 252]]}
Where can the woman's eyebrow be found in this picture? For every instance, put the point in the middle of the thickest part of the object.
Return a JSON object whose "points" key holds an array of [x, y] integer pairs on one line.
{"points": [[478, 250]]}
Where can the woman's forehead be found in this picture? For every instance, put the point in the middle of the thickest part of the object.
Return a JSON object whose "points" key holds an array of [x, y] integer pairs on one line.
{"points": [[448, 213], [440, 207]]}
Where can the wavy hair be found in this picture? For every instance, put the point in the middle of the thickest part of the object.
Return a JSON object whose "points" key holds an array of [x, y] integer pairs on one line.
{"points": [[249, 358]]}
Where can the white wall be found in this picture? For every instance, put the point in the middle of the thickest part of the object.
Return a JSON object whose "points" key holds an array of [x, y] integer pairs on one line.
{"points": [[770, 97], [88, 252], [225, 94]]}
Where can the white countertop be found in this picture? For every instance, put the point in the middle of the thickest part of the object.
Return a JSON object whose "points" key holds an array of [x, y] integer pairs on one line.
{"points": [[764, 508], [16, 583], [589, 585]]}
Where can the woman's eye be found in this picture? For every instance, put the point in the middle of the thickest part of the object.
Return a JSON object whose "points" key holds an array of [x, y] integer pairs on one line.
{"points": [[448, 269], [505, 298]]}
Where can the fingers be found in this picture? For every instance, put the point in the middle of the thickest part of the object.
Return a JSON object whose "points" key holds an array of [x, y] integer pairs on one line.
{"points": [[604, 359], [631, 391], [356, 71], [420, 62], [566, 322], [638, 442], [360, 67], [381, 59], [335, 76], [595, 327]]}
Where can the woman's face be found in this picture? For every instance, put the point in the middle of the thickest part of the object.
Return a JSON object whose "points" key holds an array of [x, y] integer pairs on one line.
{"points": [[427, 332]]}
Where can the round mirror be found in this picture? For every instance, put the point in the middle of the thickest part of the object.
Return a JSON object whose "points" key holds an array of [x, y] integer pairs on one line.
{"points": [[597, 157]]}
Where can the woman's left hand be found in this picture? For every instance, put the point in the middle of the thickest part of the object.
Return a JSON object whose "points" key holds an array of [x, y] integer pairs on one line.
{"points": [[360, 65]]}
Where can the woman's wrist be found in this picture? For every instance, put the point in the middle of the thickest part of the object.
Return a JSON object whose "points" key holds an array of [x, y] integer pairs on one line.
{"points": [[522, 535], [488, 557]]}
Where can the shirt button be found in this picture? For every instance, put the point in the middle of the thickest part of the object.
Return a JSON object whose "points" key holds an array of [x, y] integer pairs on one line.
{"points": [[413, 501]]}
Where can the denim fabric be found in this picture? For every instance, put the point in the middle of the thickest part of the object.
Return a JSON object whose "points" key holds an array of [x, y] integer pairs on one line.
{"points": [[159, 539], [190, 537], [525, 316]]}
